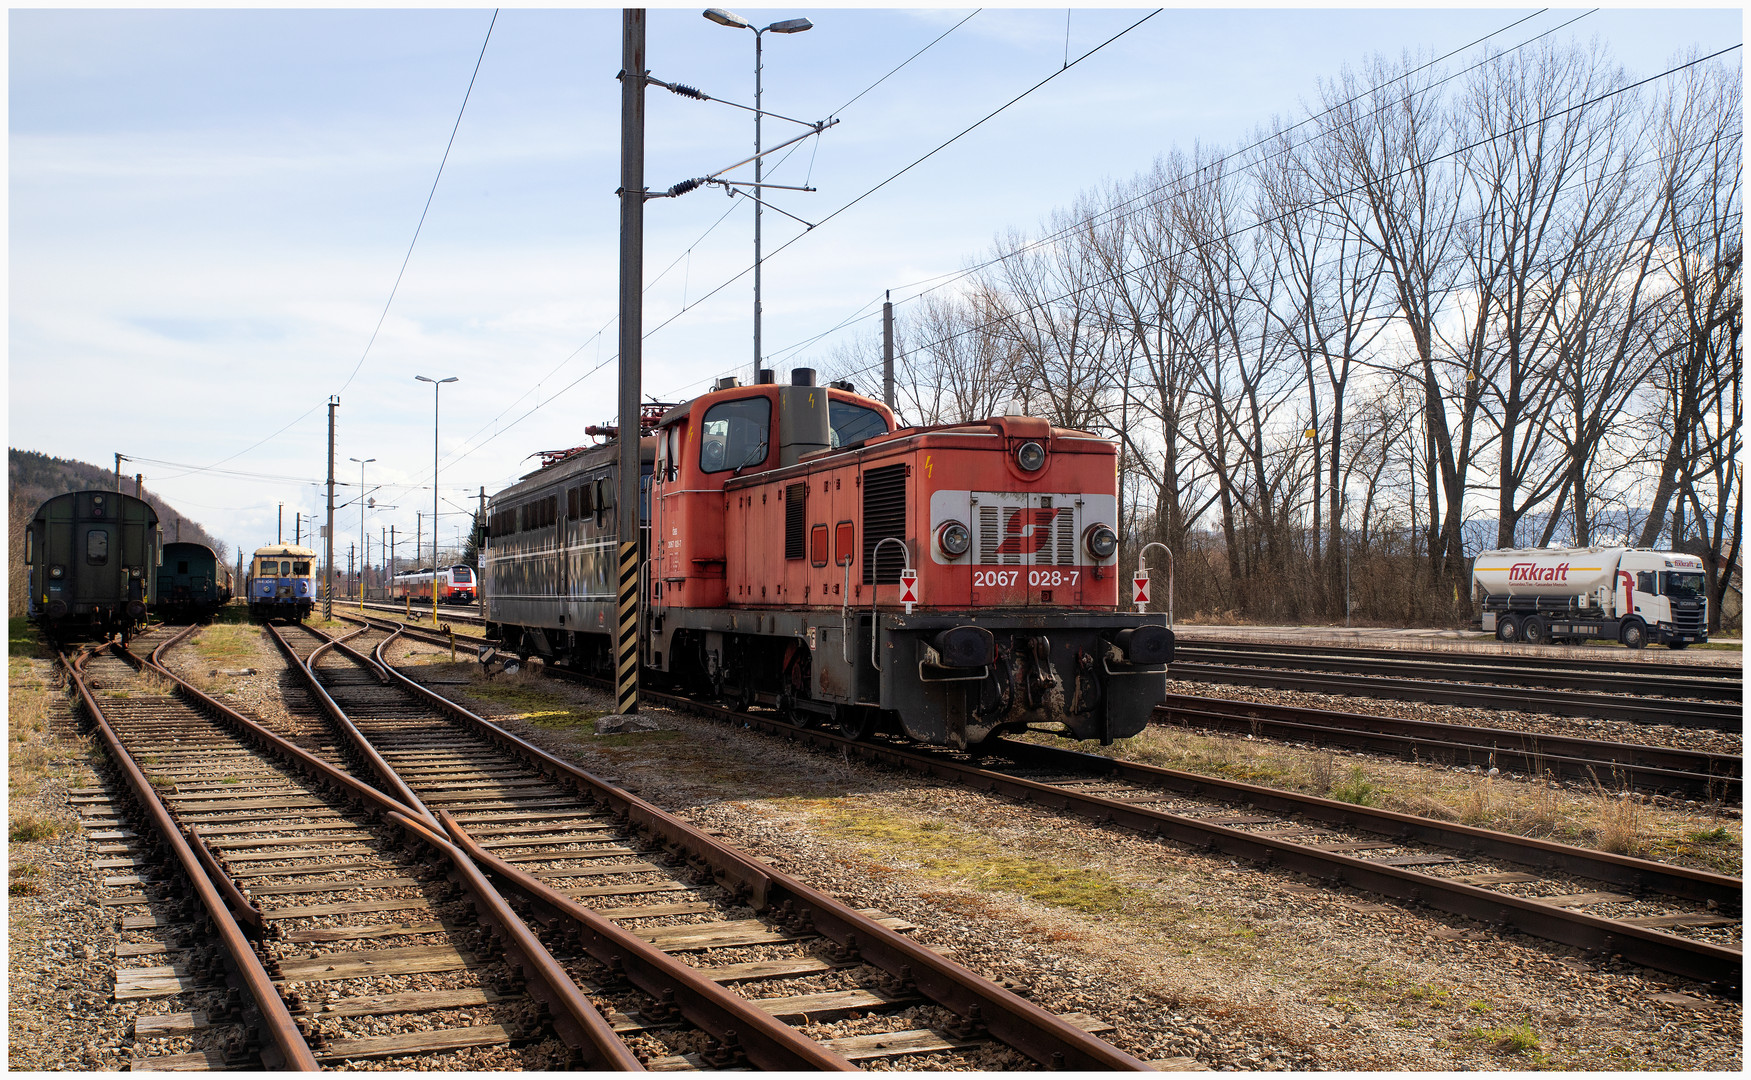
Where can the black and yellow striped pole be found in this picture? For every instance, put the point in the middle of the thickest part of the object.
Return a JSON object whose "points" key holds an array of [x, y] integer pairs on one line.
{"points": [[626, 503]]}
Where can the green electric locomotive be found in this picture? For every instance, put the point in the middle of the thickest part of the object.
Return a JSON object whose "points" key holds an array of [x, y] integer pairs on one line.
{"points": [[93, 558]]}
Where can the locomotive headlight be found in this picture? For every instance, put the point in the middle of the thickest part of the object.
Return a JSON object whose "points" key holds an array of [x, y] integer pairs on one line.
{"points": [[134, 571], [954, 539], [1031, 456], [57, 572], [1101, 542]]}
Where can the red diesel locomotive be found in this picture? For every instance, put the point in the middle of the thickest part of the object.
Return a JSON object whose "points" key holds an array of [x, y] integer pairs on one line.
{"points": [[945, 583]]}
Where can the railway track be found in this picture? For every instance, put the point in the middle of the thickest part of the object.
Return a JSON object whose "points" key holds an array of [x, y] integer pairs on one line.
{"points": [[348, 931], [712, 953], [1673, 919], [1710, 715], [1612, 765], [1693, 774], [1685, 922], [1552, 673]]}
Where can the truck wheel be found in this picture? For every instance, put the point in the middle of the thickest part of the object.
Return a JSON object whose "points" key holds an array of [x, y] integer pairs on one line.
{"points": [[1677, 644], [1507, 628], [1635, 635], [1533, 631]]}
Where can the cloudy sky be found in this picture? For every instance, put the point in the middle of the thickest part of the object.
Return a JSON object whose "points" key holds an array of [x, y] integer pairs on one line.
{"points": [[211, 208]]}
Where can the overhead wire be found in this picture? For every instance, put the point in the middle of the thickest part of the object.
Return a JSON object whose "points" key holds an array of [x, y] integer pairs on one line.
{"points": [[950, 277], [906, 169], [458, 454], [428, 206], [1273, 219]]}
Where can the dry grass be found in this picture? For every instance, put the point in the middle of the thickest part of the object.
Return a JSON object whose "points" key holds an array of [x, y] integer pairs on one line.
{"points": [[1620, 825], [1601, 818]]}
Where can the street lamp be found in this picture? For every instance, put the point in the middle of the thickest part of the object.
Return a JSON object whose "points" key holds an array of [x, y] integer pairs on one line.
{"points": [[436, 385], [362, 463], [784, 26]]}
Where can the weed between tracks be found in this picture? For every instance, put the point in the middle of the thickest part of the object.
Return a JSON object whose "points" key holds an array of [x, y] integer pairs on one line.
{"points": [[1601, 819]]}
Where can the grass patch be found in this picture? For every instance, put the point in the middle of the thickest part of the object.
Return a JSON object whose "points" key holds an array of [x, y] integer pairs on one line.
{"points": [[1524, 807], [1356, 788], [23, 639], [1717, 835], [29, 828], [1509, 1039], [948, 853], [228, 644], [23, 879]]}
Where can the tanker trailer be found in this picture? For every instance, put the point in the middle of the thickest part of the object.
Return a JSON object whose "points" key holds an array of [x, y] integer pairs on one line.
{"points": [[1632, 595]]}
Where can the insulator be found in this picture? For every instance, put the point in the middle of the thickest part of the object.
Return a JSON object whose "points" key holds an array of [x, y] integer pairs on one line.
{"points": [[688, 91], [684, 187]]}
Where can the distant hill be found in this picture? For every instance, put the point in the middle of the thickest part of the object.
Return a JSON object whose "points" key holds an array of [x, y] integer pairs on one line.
{"points": [[36, 478]]}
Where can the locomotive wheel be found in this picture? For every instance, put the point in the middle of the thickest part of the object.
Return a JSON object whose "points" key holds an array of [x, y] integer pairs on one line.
{"points": [[855, 722]]}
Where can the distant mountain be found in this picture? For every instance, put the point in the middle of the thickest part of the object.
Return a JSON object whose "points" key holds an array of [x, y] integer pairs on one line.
{"points": [[36, 478]]}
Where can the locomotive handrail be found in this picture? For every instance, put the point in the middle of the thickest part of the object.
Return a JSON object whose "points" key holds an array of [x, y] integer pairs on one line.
{"points": [[905, 568], [1143, 570]]}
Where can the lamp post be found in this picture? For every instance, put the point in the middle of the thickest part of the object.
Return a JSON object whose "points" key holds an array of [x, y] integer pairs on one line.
{"points": [[436, 385], [362, 463], [784, 26]]}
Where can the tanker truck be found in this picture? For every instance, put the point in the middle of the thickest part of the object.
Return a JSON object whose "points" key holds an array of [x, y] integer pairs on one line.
{"points": [[1633, 595]]}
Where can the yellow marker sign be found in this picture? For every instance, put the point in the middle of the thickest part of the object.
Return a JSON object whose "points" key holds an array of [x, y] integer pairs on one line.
{"points": [[929, 469]]}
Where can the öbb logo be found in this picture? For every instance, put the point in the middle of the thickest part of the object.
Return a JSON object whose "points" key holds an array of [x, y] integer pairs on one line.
{"points": [[1525, 571], [1027, 531]]}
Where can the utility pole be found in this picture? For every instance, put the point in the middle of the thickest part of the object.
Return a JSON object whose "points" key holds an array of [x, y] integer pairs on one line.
{"points": [[632, 197], [888, 349], [350, 547], [280, 526], [297, 527], [392, 553], [139, 486], [119, 460], [328, 529]]}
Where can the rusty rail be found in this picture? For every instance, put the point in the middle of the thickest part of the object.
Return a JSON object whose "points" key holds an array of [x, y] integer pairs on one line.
{"points": [[728, 1017], [1040, 1035], [360, 745], [575, 1017], [288, 1048]]}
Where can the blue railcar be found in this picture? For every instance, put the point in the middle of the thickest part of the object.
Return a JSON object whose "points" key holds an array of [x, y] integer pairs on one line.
{"points": [[282, 582]]}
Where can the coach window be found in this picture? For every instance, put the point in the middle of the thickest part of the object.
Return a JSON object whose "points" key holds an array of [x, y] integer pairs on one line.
{"points": [[734, 434], [300, 569], [853, 423], [97, 547]]}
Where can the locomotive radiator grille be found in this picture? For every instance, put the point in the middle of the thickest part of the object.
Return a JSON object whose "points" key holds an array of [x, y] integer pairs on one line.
{"points": [[796, 505], [884, 515], [1016, 535]]}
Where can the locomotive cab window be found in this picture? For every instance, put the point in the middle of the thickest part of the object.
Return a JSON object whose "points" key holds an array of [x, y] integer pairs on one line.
{"points": [[853, 423], [97, 547], [735, 434], [301, 569], [182, 566]]}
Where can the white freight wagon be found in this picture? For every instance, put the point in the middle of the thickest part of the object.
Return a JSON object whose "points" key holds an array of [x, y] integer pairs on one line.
{"points": [[1632, 595]]}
